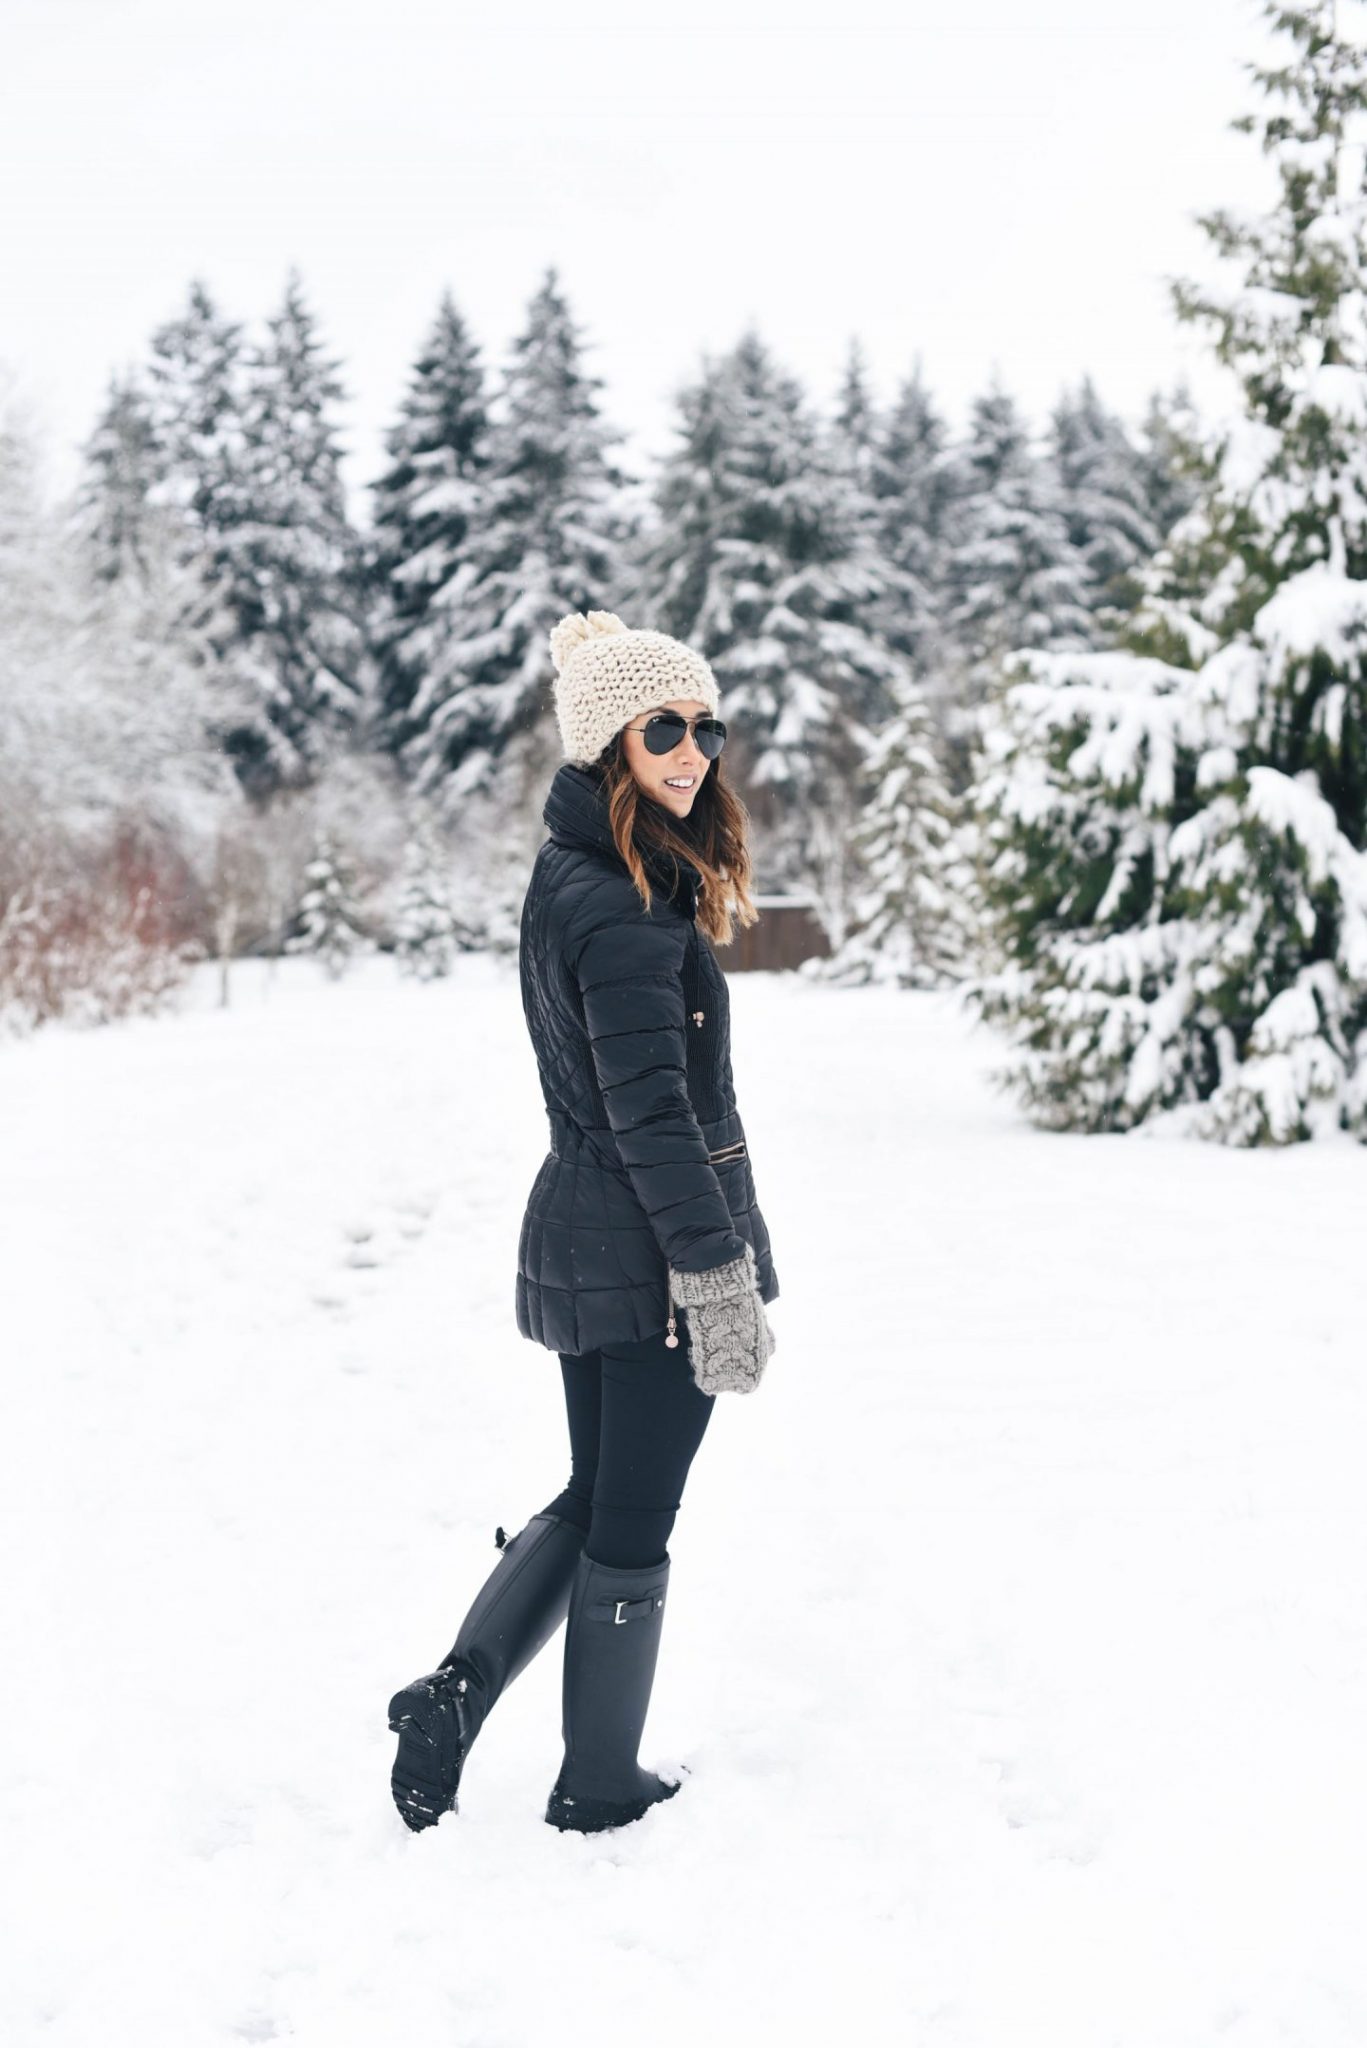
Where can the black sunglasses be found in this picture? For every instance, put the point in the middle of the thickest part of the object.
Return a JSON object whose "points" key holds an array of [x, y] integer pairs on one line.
{"points": [[663, 730]]}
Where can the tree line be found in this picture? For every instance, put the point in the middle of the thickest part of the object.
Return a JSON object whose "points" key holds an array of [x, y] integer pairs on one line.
{"points": [[1072, 719]]}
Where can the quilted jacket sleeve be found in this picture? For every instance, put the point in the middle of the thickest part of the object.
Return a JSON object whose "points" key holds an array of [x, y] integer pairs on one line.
{"points": [[630, 977]]}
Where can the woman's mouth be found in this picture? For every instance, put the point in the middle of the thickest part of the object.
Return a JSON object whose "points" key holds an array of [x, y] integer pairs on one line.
{"points": [[683, 782]]}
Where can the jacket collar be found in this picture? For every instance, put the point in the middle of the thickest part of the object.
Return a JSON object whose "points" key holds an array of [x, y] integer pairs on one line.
{"points": [[576, 814]]}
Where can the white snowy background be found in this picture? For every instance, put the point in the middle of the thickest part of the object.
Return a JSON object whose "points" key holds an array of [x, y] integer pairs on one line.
{"points": [[1017, 1624]]}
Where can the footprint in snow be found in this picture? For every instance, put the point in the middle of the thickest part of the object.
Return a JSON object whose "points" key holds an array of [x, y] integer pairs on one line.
{"points": [[375, 1241]]}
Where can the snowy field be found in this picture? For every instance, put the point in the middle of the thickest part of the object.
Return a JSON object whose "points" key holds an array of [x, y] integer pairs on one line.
{"points": [[1017, 1637]]}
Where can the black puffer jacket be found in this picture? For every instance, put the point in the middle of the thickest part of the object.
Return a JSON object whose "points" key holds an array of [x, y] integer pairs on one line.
{"points": [[648, 1165]]}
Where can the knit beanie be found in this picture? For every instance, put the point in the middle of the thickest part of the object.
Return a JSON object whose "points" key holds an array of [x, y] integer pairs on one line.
{"points": [[605, 673]]}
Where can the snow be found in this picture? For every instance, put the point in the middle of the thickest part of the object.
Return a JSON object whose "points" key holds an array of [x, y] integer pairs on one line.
{"points": [[1338, 389], [1316, 611], [1249, 447], [1135, 711], [1017, 1626], [1293, 804]]}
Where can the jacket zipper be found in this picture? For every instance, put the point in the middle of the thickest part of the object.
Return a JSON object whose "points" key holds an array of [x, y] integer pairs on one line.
{"points": [[695, 1016], [735, 1151]]}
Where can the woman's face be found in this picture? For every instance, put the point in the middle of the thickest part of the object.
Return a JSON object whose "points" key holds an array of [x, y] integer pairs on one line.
{"points": [[686, 764]]}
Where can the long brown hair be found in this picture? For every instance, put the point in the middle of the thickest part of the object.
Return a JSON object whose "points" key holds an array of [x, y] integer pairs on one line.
{"points": [[713, 837]]}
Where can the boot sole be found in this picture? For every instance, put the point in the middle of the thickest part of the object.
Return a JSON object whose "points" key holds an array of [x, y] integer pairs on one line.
{"points": [[594, 1816], [433, 1746]]}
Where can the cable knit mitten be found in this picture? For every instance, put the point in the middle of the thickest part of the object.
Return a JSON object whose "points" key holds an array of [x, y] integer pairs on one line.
{"points": [[729, 1338]]}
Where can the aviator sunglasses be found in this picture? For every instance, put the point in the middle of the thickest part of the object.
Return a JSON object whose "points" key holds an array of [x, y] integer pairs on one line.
{"points": [[663, 730]]}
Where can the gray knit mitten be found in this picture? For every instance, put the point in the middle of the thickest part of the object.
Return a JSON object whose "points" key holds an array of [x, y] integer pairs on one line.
{"points": [[729, 1338]]}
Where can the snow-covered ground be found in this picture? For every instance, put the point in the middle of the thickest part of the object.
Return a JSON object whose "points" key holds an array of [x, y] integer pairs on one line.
{"points": [[1017, 1628]]}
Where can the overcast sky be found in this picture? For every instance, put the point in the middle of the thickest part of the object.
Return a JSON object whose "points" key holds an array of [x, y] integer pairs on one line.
{"points": [[992, 185]]}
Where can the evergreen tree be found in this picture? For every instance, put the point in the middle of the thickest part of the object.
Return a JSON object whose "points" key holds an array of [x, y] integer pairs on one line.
{"points": [[678, 551], [329, 924], [195, 394], [294, 559], [907, 927], [855, 427], [196, 397], [549, 540], [163, 611], [427, 932], [427, 508], [122, 468], [1104, 484], [1014, 578], [1179, 871], [896, 484], [913, 482], [762, 557]]}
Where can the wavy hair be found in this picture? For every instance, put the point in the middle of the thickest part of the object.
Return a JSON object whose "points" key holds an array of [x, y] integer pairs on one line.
{"points": [[714, 837]]}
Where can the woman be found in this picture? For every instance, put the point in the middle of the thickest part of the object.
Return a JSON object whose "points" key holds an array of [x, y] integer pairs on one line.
{"points": [[644, 1261]]}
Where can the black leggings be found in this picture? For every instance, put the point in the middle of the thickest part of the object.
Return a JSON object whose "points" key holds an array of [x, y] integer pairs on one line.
{"points": [[636, 1417]]}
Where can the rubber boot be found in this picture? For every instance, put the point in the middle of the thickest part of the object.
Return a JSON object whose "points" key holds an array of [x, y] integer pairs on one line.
{"points": [[612, 1640], [515, 1613]]}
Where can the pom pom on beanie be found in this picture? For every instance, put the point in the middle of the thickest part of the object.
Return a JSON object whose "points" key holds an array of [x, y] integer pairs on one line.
{"points": [[577, 627], [605, 673]]}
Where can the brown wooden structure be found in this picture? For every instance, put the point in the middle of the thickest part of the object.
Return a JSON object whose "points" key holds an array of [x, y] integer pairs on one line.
{"points": [[788, 932]]}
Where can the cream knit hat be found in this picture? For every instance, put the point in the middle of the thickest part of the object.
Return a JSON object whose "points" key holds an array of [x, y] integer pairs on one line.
{"points": [[605, 674]]}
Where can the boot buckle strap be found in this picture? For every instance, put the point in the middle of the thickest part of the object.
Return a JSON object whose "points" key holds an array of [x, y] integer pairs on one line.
{"points": [[625, 1610]]}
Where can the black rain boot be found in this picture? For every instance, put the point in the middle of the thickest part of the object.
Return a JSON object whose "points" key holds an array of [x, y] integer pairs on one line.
{"points": [[515, 1613], [612, 1639]]}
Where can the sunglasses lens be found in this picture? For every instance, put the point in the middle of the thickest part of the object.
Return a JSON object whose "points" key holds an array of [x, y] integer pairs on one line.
{"points": [[664, 731]]}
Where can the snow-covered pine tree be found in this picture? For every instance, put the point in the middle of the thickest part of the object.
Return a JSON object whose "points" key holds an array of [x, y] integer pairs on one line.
{"points": [[890, 472], [903, 918], [1179, 873], [852, 448], [761, 556], [675, 554], [427, 932], [121, 471], [164, 608], [1013, 577], [329, 924], [427, 508], [548, 541], [855, 423], [1104, 485], [913, 483], [908, 924], [195, 379], [295, 560]]}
